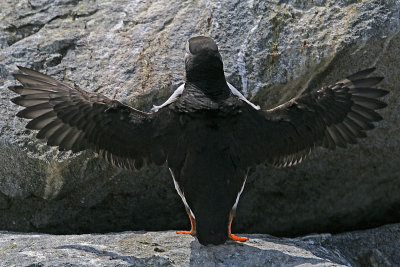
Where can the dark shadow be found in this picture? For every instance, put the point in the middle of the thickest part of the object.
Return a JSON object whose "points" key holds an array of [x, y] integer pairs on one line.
{"points": [[276, 252], [112, 255]]}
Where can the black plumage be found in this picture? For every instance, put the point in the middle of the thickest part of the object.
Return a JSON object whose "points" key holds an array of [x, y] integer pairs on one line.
{"points": [[207, 136]]}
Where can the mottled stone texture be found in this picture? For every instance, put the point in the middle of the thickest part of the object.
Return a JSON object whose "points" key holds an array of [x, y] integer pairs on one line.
{"points": [[376, 247], [272, 50]]}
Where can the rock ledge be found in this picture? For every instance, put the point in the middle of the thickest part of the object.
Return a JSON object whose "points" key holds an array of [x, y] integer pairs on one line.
{"points": [[375, 247]]}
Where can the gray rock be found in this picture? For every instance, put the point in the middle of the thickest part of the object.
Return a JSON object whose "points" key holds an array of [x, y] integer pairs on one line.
{"points": [[272, 50], [170, 249]]}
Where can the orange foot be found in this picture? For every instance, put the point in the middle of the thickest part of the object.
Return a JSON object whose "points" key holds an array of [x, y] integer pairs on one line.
{"points": [[237, 238], [193, 227], [232, 236]]}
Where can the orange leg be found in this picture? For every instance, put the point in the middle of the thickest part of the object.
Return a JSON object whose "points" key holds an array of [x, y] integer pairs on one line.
{"points": [[232, 236], [193, 227]]}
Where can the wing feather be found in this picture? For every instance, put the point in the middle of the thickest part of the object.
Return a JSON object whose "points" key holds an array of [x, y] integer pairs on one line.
{"points": [[331, 117], [73, 119]]}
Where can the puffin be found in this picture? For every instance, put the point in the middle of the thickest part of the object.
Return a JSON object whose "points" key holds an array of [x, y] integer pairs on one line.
{"points": [[207, 133]]}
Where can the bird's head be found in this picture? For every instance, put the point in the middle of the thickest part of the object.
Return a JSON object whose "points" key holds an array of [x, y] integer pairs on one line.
{"points": [[203, 64]]}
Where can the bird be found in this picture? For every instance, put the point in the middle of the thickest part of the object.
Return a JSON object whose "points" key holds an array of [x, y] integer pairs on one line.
{"points": [[207, 134]]}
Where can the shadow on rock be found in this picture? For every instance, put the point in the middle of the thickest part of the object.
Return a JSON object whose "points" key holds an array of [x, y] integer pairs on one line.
{"points": [[260, 252], [112, 255]]}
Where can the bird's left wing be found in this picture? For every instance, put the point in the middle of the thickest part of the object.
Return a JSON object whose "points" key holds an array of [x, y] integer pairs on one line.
{"points": [[73, 119], [333, 116]]}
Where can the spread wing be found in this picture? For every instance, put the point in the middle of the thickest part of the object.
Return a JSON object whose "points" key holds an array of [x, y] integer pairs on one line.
{"points": [[73, 119], [333, 116]]}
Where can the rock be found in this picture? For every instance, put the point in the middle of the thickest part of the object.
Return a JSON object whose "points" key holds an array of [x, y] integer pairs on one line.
{"points": [[134, 50], [170, 249]]}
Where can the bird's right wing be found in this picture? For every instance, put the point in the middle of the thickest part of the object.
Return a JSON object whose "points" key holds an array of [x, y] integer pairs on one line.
{"points": [[333, 116], [73, 119]]}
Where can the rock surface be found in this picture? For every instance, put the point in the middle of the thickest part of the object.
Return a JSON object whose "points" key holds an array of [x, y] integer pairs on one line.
{"points": [[170, 249], [272, 50]]}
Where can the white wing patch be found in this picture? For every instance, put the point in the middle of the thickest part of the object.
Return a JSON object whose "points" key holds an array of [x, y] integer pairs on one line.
{"points": [[180, 89], [237, 93], [181, 194], [171, 99], [238, 196]]}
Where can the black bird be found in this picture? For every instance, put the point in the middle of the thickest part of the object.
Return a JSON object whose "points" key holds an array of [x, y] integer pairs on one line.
{"points": [[207, 133]]}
